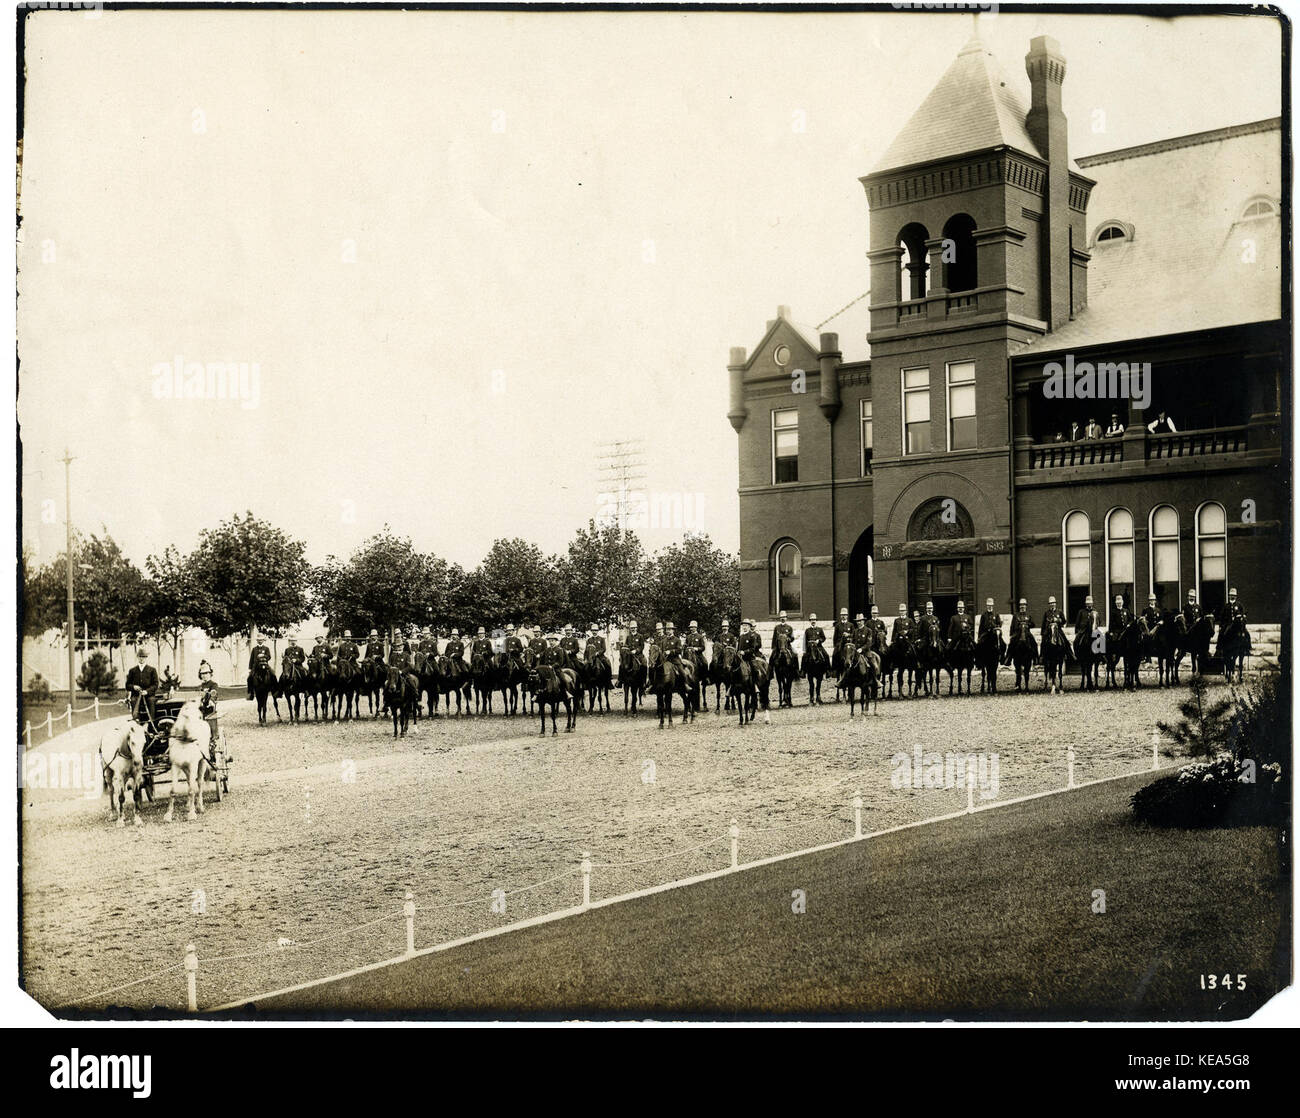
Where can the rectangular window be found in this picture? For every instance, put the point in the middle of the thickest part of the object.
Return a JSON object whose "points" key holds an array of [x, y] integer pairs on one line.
{"points": [[916, 411], [961, 405], [785, 446], [1213, 573], [864, 411]]}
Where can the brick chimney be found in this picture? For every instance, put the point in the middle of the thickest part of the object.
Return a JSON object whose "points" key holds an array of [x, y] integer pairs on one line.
{"points": [[1047, 127]]}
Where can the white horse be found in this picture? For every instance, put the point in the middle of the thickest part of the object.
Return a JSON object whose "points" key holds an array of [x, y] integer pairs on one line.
{"points": [[187, 749], [124, 748]]}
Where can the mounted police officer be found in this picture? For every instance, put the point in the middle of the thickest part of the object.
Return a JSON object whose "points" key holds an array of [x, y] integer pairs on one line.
{"points": [[482, 645], [989, 619], [1231, 611], [813, 635], [654, 642], [347, 649], [374, 646], [1191, 611], [842, 629], [671, 646], [400, 656], [455, 647], [553, 655], [750, 643], [1086, 622], [879, 635], [960, 625], [570, 644], [693, 640], [634, 640], [594, 645], [903, 629], [725, 638], [1052, 614], [294, 656], [1022, 628], [1151, 620], [783, 629], [930, 624], [512, 646], [537, 645], [321, 649], [260, 656]]}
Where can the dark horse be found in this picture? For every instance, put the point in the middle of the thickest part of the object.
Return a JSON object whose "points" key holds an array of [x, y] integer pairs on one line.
{"points": [[317, 687], [454, 678], [550, 687], [346, 691], [930, 654], [599, 682], [785, 670], [264, 685], [732, 670], [632, 678], [960, 660], [481, 670], [1170, 646], [863, 674], [1130, 645], [1022, 651], [815, 666], [1198, 642], [402, 693], [372, 685], [988, 654], [1234, 647], [1055, 652], [900, 659], [510, 673], [1090, 651], [669, 678], [293, 685]]}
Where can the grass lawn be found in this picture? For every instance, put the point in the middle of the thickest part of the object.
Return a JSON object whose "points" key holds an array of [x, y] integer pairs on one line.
{"points": [[109, 707], [989, 916]]}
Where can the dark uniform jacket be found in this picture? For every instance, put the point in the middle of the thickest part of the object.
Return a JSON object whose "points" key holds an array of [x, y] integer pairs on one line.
{"points": [[553, 655], [347, 650], [1022, 626], [879, 634], [929, 624], [1227, 613], [455, 649], [694, 639], [400, 657], [513, 646], [294, 654], [1150, 617], [482, 646], [537, 645], [959, 625], [1050, 615], [813, 635], [428, 645], [990, 619], [1086, 622], [750, 644], [902, 629], [143, 676], [783, 629], [259, 655], [671, 645], [726, 639], [570, 646], [375, 649], [1191, 613], [595, 644], [321, 649]]}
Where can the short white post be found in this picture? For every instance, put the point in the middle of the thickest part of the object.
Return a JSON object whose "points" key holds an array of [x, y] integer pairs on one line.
{"points": [[69, 716], [96, 708], [857, 815], [409, 910], [191, 978], [27, 733], [970, 790], [586, 879], [1069, 766], [735, 844], [49, 723]]}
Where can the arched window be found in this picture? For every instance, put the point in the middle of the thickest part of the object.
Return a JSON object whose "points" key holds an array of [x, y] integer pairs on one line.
{"points": [[787, 578], [1166, 570], [1119, 558], [913, 265], [1076, 561], [1258, 207], [960, 266], [1112, 232], [1211, 556]]}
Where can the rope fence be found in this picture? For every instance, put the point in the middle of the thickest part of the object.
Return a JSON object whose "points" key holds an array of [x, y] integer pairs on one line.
{"points": [[442, 920]]}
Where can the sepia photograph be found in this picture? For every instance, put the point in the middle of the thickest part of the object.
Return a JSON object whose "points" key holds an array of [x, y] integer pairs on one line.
{"points": [[683, 515]]}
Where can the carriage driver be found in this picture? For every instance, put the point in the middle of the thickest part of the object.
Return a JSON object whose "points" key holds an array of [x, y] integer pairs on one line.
{"points": [[693, 641], [259, 657], [208, 705], [142, 681], [725, 638]]}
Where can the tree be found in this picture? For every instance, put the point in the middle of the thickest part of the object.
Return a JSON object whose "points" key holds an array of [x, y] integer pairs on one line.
{"points": [[110, 591], [44, 596], [97, 676], [385, 584], [515, 582], [694, 581], [1203, 729], [173, 601], [246, 575], [603, 575]]}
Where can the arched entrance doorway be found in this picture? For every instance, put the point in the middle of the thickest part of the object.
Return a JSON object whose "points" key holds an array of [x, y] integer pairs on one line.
{"points": [[861, 576], [949, 575]]}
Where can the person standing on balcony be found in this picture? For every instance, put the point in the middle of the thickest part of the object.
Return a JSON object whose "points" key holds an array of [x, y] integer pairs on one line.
{"points": [[1116, 428], [1162, 425], [1076, 432], [1093, 430]]}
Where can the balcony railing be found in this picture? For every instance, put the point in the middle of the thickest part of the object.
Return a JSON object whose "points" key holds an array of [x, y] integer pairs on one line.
{"points": [[1045, 456], [1179, 444]]}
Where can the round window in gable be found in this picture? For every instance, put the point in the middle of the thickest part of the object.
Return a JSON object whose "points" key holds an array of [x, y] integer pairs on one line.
{"points": [[781, 355], [1112, 231]]}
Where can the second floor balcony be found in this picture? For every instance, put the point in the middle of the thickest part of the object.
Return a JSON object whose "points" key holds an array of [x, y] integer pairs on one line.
{"points": [[1144, 446]]}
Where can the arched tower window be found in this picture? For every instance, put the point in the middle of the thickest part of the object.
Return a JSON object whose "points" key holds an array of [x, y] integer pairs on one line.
{"points": [[1166, 570], [913, 264], [1076, 560], [787, 577], [960, 266], [1119, 559]]}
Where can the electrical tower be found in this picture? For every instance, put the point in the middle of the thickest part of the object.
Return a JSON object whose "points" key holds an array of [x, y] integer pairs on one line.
{"points": [[620, 472]]}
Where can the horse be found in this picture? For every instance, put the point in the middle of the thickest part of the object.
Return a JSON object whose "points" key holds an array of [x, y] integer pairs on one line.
{"points": [[481, 671], [785, 670], [760, 693], [510, 673], [988, 655], [863, 674], [1022, 652], [372, 685], [1055, 651], [731, 669], [346, 690], [1197, 643], [124, 746], [316, 687], [188, 747], [1170, 642], [1089, 650], [454, 678], [673, 677], [632, 678], [815, 666], [1131, 644], [264, 685], [293, 684], [930, 654], [551, 686], [959, 659], [1234, 647], [700, 668], [402, 694], [900, 659], [1110, 655]]}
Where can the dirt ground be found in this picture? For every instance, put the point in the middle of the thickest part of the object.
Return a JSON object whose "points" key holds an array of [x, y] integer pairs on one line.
{"points": [[301, 872]]}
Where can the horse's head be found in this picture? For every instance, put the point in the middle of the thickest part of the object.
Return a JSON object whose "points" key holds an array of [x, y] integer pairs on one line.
{"points": [[134, 742]]}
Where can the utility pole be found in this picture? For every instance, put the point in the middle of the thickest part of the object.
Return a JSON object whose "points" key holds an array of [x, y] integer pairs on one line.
{"points": [[620, 467], [72, 632]]}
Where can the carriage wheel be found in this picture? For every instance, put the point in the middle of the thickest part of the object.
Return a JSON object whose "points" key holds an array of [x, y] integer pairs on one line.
{"points": [[216, 779]]}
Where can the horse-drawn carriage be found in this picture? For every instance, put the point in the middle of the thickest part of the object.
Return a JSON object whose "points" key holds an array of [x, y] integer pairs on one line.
{"points": [[157, 758]]}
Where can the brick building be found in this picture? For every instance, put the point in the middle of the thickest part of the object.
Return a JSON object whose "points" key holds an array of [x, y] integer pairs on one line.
{"points": [[946, 464]]}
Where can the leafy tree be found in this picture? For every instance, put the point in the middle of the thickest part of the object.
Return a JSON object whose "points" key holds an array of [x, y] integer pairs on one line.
{"points": [[44, 596], [515, 582], [173, 603], [385, 584], [603, 575], [1203, 729], [110, 591], [246, 575], [694, 581]]}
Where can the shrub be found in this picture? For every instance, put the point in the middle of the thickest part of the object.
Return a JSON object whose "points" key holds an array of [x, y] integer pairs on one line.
{"points": [[97, 676], [1225, 791], [1204, 727], [38, 690]]}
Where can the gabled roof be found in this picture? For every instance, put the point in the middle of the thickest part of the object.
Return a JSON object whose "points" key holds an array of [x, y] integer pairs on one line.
{"points": [[1193, 262], [973, 107]]}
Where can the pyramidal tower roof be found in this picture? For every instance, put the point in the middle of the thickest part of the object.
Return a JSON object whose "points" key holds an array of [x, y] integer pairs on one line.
{"points": [[973, 107]]}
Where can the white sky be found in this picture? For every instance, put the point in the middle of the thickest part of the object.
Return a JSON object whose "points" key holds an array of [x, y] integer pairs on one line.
{"points": [[523, 250]]}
